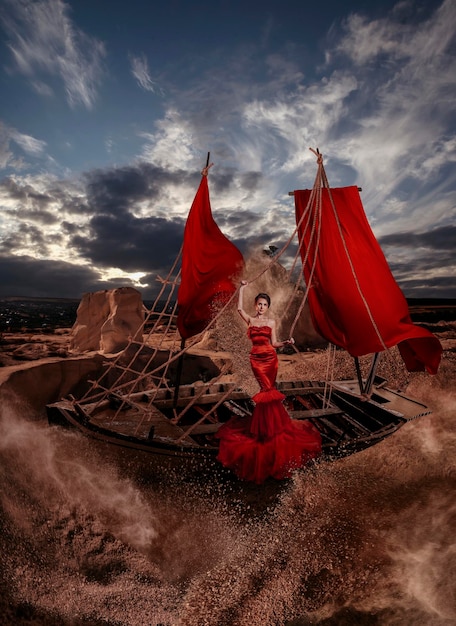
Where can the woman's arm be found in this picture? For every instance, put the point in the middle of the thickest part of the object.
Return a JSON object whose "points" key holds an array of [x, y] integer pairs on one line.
{"points": [[241, 311], [274, 342]]}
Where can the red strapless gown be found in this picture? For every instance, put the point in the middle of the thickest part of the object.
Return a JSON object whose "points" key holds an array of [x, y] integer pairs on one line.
{"points": [[269, 443]]}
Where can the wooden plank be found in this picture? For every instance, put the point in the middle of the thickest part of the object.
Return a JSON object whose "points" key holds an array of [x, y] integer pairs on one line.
{"points": [[300, 387], [332, 427], [310, 413], [203, 399], [237, 409], [211, 417], [206, 429], [133, 424]]}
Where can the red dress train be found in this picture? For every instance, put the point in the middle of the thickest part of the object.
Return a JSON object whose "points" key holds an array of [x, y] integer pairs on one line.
{"points": [[269, 443]]}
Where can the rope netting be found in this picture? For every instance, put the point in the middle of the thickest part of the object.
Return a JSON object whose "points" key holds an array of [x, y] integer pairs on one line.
{"points": [[147, 367]]}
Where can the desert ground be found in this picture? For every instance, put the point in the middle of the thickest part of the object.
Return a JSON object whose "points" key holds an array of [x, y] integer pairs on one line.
{"points": [[367, 540]]}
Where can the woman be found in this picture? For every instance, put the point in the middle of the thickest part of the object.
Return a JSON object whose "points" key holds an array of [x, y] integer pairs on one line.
{"points": [[269, 443]]}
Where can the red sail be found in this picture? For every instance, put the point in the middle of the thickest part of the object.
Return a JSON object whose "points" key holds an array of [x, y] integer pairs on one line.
{"points": [[354, 300], [210, 263]]}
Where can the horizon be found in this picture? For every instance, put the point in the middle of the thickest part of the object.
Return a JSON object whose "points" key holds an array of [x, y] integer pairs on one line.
{"points": [[78, 299]]}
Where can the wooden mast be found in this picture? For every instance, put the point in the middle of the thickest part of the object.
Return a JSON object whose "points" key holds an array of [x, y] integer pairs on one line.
{"points": [[180, 361]]}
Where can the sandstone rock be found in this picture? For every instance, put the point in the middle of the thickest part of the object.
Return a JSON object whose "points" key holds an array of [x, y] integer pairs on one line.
{"points": [[106, 320], [92, 313], [207, 340], [47, 380], [125, 320]]}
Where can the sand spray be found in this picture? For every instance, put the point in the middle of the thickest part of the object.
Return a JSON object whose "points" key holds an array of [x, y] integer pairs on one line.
{"points": [[370, 537]]}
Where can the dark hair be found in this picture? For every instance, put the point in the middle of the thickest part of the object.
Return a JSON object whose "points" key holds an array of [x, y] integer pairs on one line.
{"points": [[265, 296]]}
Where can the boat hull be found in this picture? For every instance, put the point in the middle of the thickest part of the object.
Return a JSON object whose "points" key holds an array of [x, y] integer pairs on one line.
{"points": [[349, 423]]}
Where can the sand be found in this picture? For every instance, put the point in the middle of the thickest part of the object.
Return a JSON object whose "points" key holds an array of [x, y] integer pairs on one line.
{"points": [[367, 540]]}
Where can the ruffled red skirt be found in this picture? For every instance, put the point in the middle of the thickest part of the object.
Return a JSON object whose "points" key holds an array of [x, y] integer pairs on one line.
{"points": [[269, 443]]}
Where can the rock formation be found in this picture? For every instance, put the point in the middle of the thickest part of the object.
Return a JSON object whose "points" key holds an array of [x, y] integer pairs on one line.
{"points": [[106, 320], [32, 385]]}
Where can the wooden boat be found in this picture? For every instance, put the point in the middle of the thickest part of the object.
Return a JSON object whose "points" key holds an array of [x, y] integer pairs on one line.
{"points": [[141, 403], [349, 424]]}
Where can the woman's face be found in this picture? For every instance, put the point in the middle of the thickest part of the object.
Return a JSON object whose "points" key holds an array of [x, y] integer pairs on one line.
{"points": [[261, 306]]}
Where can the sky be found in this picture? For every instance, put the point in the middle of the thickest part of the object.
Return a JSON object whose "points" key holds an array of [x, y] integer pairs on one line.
{"points": [[109, 108]]}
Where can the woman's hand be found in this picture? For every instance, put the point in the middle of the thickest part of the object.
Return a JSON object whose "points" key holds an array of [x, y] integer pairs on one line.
{"points": [[285, 342]]}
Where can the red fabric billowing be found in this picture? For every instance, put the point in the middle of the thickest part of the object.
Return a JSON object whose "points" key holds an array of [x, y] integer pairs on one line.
{"points": [[209, 264], [352, 290], [256, 460], [269, 443]]}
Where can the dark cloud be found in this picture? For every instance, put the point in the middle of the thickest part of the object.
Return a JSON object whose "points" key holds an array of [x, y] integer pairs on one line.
{"points": [[222, 179], [44, 218], [113, 237], [114, 234], [117, 190], [439, 287], [426, 252], [26, 234], [438, 239], [44, 208], [116, 237], [26, 276], [422, 284], [132, 244], [30, 204], [23, 192], [251, 181], [237, 223]]}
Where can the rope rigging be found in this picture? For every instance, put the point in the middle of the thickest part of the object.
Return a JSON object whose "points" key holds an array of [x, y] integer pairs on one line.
{"points": [[150, 364]]}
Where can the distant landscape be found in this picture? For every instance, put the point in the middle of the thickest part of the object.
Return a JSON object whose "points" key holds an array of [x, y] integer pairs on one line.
{"points": [[41, 314], [46, 314], [38, 314]]}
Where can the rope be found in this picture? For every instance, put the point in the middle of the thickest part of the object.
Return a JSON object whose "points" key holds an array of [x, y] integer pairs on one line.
{"points": [[329, 378], [309, 221], [205, 170]]}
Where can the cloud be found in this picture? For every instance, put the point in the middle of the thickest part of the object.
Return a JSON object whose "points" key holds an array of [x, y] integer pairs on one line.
{"points": [[436, 239], [399, 36], [48, 220], [30, 147], [140, 70], [27, 143], [432, 255], [381, 112], [406, 72], [171, 145], [45, 43], [6, 156], [132, 244], [25, 275], [382, 122], [131, 224], [380, 109], [113, 218], [33, 209]]}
